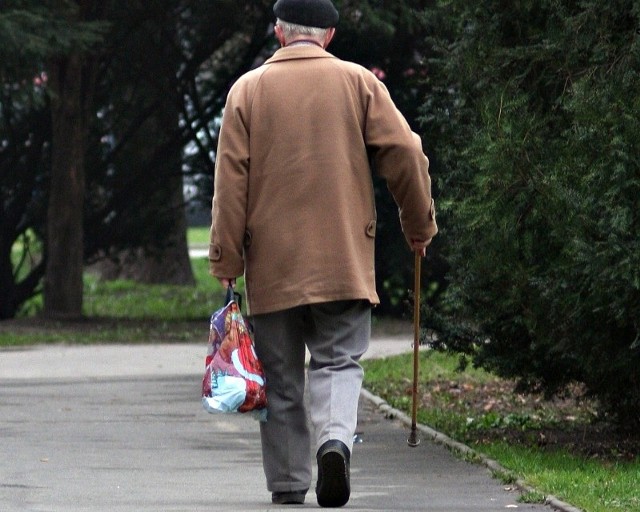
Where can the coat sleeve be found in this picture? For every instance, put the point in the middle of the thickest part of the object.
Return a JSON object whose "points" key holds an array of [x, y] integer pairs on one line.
{"points": [[400, 160], [229, 205]]}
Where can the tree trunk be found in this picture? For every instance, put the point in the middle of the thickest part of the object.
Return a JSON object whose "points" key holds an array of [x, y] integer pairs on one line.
{"points": [[63, 279], [169, 264]]}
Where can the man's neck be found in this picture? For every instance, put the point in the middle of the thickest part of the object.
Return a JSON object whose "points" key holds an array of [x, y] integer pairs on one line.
{"points": [[302, 42]]}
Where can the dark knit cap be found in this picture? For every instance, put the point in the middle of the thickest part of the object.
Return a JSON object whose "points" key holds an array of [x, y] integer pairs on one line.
{"points": [[310, 13]]}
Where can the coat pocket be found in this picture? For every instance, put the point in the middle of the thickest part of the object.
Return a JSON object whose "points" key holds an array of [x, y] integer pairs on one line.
{"points": [[246, 242]]}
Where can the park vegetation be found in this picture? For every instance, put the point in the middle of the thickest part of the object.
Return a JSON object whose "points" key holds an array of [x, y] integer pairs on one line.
{"points": [[534, 110]]}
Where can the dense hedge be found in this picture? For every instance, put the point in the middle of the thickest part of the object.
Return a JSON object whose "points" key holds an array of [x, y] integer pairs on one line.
{"points": [[538, 110]]}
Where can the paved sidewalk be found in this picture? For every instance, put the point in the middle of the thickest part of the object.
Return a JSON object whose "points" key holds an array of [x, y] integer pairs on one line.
{"points": [[121, 428]]}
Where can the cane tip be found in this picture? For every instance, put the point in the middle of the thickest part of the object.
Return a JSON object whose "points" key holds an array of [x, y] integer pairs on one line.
{"points": [[413, 439]]}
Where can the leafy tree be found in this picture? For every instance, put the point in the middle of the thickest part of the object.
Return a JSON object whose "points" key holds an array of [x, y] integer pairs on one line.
{"points": [[30, 35], [147, 64], [538, 106], [71, 86]]}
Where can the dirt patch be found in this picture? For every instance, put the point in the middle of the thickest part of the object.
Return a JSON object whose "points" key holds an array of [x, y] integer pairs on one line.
{"points": [[495, 412]]}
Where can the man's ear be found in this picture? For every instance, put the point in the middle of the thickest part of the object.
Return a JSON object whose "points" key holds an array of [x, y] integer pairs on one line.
{"points": [[277, 29], [329, 36]]}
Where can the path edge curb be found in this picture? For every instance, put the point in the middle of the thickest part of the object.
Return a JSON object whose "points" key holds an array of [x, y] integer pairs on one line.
{"points": [[462, 449]]}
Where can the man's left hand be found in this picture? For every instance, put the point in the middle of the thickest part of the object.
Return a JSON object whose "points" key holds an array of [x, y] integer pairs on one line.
{"points": [[420, 246], [227, 281]]}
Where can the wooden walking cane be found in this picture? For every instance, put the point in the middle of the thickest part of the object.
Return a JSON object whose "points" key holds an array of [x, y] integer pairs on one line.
{"points": [[413, 439]]}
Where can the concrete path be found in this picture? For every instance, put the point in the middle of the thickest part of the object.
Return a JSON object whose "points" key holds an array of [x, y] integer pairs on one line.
{"points": [[120, 428]]}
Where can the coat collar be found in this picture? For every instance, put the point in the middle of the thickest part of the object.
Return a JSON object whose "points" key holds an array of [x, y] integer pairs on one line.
{"points": [[299, 52]]}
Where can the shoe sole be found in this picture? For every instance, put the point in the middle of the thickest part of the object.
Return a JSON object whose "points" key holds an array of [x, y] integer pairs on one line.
{"points": [[288, 501], [335, 489]]}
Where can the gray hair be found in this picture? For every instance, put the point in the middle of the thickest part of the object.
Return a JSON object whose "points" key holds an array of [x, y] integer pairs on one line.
{"points": [[292, 29]]}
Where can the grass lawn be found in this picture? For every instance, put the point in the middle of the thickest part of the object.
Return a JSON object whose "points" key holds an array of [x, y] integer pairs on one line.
{"points": [[198, 236], [124, 311]]}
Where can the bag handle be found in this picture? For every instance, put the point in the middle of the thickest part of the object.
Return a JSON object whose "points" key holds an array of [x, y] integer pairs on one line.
{"points": [[232, 295]]}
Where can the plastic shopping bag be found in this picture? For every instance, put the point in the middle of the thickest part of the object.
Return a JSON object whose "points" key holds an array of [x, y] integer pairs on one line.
{"points": [[233, 379]]}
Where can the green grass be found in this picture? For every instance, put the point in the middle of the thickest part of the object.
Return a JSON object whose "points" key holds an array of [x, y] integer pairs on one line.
{"points": [[124, 311], [198, 236], [392, 377], [105, 331], [25, 253], [127, 299], [594, 484]]}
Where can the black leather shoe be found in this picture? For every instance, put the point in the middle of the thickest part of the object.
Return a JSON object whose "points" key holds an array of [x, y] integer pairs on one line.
{"points": [[288, 498], [334, 486]]}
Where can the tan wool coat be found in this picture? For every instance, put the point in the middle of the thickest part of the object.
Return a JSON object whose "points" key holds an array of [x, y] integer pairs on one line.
{"points": [[293, 207]]}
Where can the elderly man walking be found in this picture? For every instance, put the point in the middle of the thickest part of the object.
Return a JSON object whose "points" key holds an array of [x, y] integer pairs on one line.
{"points": [[293, 210]]}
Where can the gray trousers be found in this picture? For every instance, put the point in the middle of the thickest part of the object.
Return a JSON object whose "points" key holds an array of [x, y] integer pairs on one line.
{"points": [[337, 335]]}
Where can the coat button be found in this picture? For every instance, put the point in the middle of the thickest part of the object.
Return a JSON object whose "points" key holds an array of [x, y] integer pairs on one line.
{"points": [[371, 229], [215, 252]]}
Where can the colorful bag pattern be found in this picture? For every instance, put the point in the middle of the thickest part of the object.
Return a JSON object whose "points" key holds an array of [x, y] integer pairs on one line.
{"points": [[234, 379]]}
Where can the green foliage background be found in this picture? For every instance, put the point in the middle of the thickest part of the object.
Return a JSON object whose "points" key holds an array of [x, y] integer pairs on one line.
{"points": [[538, 105]]}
